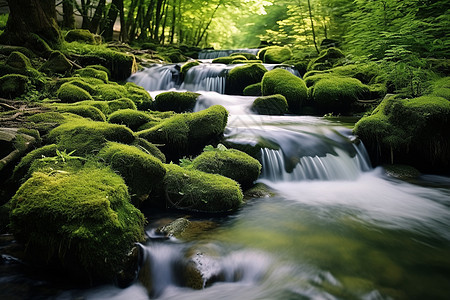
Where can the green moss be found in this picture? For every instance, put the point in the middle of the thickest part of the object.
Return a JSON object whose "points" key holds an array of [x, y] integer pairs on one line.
{"points": [[13, 85], [18, 60], [149, 148], [175, 101], [242, 76], [441, 88], [327, 59], [21, 170], [248, 56], [276, 54], [409, 131], [228, 59], [280, 81], [253, 90], [94, 73], [185, 134], [31, 132], [337, 94], [56, 63], [133, 119], [187, 66], [141, 171], [110, 92], [139, 95], [81, 221], [198, 191], [100, 68], [230, 163], [7, 50], [312, 77], [270, 105], [87, 137], [80, 35], [71, 93], [122, 103], [84, 110]]}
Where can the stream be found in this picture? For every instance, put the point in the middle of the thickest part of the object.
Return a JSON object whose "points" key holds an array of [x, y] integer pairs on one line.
{"points": [[334, 228]]}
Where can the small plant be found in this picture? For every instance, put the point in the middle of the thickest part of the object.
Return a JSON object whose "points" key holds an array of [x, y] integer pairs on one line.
{"points": [[62, 156]]}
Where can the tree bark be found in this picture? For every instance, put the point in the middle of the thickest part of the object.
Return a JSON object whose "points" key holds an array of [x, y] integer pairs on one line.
{"points": [[312, 26], [116, 7], [28, 17], [95, 22], [68, 17]]}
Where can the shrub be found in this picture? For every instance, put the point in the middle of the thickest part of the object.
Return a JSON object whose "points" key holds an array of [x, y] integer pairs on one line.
{"points": [[87, 137], [175, 101], [70, 93], [242, 76], [270, 105], [338, 94], [280, 81], [230, 163], [133, 119], [198, 191], [81, 221], [141, 171]]}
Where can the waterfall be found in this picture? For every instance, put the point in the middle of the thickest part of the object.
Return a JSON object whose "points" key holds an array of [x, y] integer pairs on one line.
{"points": [[206, 77], [158, 77], [211, 54]]}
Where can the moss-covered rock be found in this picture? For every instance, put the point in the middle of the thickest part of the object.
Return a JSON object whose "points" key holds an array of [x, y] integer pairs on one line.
{"points": [[293, 88], [248, 56], [337, 94], [88, 137], [94, 73], [275, 54], [139, 95], [241, 61], [149, 148], [80, 35], [109, 92], [21, 169], [270, 105], [80, 221], [194, 190], [230, 163], [7, 50], [327, 59], [409, 131], [44, 122], [228, 59], [81, 109], [242, 76], [253, 90], [187, 66], [141, 171], [13, 85], [133, 119], [18, 60], [71, 93], [175, 101], [57, 63], [186, 134], [122, 103]]}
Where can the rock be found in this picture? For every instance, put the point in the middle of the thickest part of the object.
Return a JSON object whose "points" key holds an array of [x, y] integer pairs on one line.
{"points": [[71, 93], [57, 63], [275, 54], [327, 59], [174, 228], [131, 118], [175, 101], [270, 105], [80, 35], [93, 73], [242, 76], [13, 85], [253, 90], [293, 88]]}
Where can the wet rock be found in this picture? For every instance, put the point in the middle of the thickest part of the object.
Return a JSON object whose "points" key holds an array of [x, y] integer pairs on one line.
{"points": [[175, 228]]}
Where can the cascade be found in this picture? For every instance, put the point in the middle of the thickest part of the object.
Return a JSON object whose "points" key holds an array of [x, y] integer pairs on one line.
{"points": [[211, 54]]}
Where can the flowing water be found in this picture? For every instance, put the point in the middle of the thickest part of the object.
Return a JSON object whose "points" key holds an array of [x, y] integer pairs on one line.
{"points": [[335, 228]]}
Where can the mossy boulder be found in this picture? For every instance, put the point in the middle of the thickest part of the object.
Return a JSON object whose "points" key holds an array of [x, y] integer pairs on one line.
{"points": [[228, 59], [187, 66], [139, 95], [230, 163], [409, 131], [94, 73], [338, 94], [79, 221], [149, 148], [141, 171], [122, 103], [253, 90], [175, 101], [327, 59], [293, 88], [21, 169], [88, 137], [80, 35], [84, 110], [270, 105], [275, 54], [242, 76], [57, 63], [194, 190], [71, 93], [248, 56], [18, 60], [133, 119], [13, 85], [186, 134], [109, 92]]}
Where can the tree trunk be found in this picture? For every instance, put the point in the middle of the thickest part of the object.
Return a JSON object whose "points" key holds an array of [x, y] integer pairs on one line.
{"points": [[95, 22], [312, 26], [28, 17], [158, 16], [116, 7], [68, 17], [209, 23]]}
